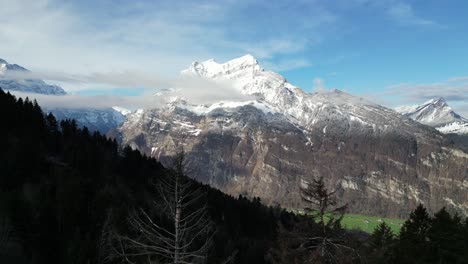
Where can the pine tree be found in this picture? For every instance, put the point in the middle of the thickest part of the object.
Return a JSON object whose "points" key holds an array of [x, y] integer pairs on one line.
{"points": [[414, 237], [380, 243], [329, 243], [446, 238], [382, 236]]}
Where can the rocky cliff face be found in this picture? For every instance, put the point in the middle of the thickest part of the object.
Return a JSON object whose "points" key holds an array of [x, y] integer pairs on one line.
{"points": [[379, 161]]}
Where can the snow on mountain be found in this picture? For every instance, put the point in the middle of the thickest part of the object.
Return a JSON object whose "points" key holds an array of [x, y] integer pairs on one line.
{"points": [[268, 144], [101, 120], [25, 85], [436, 113], [276, 94], [455, 127], [122, 110], [95, 119]]}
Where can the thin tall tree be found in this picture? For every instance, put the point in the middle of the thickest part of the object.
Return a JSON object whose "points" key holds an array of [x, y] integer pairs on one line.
{"points": [[5, 234], [187, 233], [322, 207]]}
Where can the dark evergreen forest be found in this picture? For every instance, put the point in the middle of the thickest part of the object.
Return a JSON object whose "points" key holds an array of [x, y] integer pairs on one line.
{"points": [[70, 196]]}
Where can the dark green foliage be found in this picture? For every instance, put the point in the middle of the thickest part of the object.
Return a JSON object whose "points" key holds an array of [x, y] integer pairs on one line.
{"points": [[382, 236], [423, 239], [413, 246], [380, 244], [447, 239]]}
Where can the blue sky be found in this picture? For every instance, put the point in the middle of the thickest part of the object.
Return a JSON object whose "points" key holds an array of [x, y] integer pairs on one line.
{"points": [[392, 51]]}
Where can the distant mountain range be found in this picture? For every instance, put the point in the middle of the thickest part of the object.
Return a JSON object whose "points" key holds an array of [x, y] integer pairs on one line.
{"points": [[436, 113], [25, 85], [270, 144], [95, 119]]}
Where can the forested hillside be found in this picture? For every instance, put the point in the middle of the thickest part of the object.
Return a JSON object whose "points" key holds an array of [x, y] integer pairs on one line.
{"points": [[69, 196], [60, 184]]}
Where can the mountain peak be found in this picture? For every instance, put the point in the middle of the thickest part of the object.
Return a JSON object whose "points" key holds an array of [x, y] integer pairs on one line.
{"points": [[246, 64], [248, 59], [439, 101], [436, 113]]}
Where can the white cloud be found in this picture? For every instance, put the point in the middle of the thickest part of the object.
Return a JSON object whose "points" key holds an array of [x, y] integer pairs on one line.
{"points": [[79, 101], [153, 37], [454, 90], [195, 90]]}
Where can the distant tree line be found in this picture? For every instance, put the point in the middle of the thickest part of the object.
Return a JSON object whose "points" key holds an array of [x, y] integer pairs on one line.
{"points": [[71, 196], [442, 238]]}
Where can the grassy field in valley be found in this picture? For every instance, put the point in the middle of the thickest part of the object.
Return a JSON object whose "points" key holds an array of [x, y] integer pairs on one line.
{"points": [[368, 223]]}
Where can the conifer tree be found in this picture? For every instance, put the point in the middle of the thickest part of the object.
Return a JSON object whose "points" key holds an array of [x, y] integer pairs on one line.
{"points": [[382, 236], [381, 243], [446, 238], [330, 242], [414, 237]]}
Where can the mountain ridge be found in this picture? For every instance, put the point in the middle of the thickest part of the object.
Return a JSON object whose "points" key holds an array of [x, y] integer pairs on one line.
{"points": [[268, 146]]}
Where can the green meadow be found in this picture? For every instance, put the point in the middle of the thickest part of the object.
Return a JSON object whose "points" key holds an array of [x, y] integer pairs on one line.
{"points": [[366, 223]]}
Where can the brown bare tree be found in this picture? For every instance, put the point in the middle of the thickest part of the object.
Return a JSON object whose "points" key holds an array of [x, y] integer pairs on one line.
{"points": [[188, 236], [5, 234]]}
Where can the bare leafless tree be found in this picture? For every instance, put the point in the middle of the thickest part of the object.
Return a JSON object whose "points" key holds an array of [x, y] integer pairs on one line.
{"points": [[104, 245], [329, 244], [189, 235], [6, 231]]}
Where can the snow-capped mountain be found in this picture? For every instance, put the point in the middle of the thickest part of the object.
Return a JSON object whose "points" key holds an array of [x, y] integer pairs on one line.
{"points": [[436, 113], [275, 94], [25, 85], [267, 146]]}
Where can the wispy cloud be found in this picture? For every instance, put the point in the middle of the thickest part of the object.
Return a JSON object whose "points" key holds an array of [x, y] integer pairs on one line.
{"points": [[192, 88], [95, 102], [153, 37], [404, 14], [455, 89], [150, 90], [287, 64]]}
